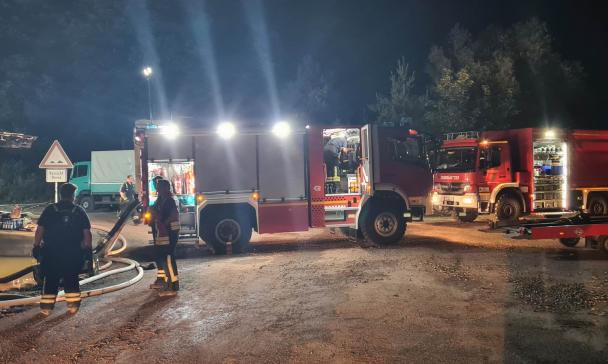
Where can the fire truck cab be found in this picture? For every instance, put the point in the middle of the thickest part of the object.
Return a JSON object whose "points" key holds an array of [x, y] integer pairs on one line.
{"points": [[522, 171], [231, 181]]}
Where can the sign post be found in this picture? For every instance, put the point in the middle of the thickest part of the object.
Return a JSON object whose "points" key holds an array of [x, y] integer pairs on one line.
{"points": [[56, 162]]}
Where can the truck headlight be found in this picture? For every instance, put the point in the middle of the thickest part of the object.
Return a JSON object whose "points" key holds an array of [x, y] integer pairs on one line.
{"points": [[468, 200], [435, 199]]}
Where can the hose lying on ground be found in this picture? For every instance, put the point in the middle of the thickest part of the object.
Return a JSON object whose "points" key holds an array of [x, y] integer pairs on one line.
{"points": [[131, 264], [18, 274], [94, 292]]}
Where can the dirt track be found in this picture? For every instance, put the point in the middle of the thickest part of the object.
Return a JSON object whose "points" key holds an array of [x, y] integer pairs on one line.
{"points": [[449, 293]]}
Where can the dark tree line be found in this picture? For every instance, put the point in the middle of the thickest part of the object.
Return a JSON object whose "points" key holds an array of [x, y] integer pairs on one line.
{"points": [[498, 79]]}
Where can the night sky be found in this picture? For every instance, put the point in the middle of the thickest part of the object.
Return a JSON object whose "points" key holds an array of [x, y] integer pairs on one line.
{"points": [[98, 89]]}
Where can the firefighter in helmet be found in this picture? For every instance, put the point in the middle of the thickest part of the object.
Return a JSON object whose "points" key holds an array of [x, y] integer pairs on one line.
{"points": [[166, 220], [63, 237]]}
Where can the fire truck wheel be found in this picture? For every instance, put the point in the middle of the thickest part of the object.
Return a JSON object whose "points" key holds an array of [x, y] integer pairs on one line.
{"points": [[383, 226], [508, 208], [598, 206], [603, 243], [471, 215], [223, 229], [87, 203], [569, 242]]}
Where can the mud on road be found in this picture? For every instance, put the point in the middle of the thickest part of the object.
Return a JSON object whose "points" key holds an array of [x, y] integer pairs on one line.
{"points": [[448, 293]]}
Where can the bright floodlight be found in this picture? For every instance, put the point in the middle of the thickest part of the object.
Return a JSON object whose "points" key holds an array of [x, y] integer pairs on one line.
{"points": [[226, 130], [170, 131], [281, 129], [550, 134], [147, 72]]}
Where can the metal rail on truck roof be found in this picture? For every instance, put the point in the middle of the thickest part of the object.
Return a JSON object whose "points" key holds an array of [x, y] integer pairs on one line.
{"points": [[461, 135]]}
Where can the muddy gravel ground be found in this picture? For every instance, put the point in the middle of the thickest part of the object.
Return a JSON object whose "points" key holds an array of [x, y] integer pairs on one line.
{"points": [[448, 293]]}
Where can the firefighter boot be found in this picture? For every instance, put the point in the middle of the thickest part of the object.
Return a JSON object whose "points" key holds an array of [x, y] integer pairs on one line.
{"points": [[73, 308], [73, 300], [169, 290], [45, 312], [161, 280], [159, 283]]}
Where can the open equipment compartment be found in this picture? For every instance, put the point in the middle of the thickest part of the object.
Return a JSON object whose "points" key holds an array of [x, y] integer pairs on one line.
{"points": [[550, 174], [345, 179]]}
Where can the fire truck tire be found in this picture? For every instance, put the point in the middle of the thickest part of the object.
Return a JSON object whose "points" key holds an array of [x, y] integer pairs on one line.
{"points": [[471, 215], [603, 244], [87, 203], [508, 208], [569, 242], [383, 225], [223, 228], [598, 206]]}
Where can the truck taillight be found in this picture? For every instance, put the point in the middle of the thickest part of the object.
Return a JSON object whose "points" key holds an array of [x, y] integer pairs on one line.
{"points": [[147, 217], [255, 197], [200, 198]]}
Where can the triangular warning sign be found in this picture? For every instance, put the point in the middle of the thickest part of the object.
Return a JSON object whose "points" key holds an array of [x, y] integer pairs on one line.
{"points": [[56, 158]]}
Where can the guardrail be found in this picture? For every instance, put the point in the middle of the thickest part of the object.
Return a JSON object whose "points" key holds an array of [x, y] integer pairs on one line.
{"points": [[24, 206]]}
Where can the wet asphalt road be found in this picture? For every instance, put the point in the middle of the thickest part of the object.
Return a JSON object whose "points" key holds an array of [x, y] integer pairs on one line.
{"points": [[448, 293]]}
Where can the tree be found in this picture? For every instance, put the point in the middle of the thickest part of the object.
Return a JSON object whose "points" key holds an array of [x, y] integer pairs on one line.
{"points": [[402, 105], [306, 97], [500, 79], [473, 84]]}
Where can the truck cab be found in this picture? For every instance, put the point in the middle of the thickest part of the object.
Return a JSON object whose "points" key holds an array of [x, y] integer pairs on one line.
{"points": [[472, 173], [81, 177]]}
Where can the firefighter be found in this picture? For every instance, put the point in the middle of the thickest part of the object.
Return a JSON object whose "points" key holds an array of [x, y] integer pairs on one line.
{"points": [[160, 272], [167, 233], [63, 237], [332, 151], [127, 194]]}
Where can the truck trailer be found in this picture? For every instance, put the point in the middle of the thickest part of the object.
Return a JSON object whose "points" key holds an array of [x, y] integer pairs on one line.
{"points": [[99, 180], [230, 182], [518, 172]]}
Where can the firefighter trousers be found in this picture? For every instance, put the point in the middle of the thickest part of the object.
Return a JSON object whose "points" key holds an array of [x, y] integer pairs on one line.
{"points": [[165, 257], [54, 273], [158, 258]]}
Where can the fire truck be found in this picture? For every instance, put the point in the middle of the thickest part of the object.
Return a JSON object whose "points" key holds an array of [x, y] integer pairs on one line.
{"points": [[231, 181], [519, 172]]}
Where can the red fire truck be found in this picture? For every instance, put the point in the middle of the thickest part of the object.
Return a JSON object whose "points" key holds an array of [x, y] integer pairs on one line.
{"points": [[231, 181], [522, 171]]}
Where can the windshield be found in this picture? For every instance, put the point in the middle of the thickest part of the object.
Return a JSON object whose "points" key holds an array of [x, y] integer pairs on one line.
{"points": [[456, 159]]}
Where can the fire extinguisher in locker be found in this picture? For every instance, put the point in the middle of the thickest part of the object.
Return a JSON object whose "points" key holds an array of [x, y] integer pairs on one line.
{"points": [[188, 182], [177, 183]]}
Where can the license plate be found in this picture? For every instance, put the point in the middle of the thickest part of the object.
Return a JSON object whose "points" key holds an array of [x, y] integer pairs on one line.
{"points": [[462, 214]]}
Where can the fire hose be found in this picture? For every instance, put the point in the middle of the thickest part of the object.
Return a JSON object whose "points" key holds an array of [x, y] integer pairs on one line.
{"points": [[108, 255]]}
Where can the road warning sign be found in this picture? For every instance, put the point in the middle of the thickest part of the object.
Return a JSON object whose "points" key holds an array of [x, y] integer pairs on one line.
{"points": [[56, 158]]}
